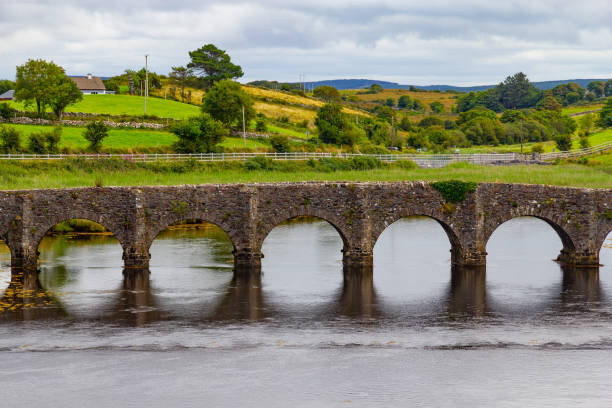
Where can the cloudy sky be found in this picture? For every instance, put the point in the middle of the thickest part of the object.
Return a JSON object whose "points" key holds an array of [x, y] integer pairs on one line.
{"points": [[412, 42]]}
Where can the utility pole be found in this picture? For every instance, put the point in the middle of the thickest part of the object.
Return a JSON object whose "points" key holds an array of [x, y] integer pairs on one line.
{"points": [[243, 127], [146, 80], [392, 129], [521, 136]]}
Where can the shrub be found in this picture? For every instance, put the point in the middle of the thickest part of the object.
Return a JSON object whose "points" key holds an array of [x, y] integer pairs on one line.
{"points": [[10, 139], [564, 142], [37, 143], [95, 133], [198, 134], [365, 163], [6, 112], [584, 142], [537, 148], [45, 142], [454, 191], [260, 125], [259, 163], [280, 143]]}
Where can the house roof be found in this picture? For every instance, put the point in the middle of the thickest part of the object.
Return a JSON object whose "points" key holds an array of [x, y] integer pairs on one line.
{"points": [[84, 83], [8, 94]]}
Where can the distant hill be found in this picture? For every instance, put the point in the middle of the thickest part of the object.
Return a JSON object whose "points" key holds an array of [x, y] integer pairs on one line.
{"points": [[364, 83]]}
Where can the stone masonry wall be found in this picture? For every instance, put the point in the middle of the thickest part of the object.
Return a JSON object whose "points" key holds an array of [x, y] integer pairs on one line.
{"points": [[360, 212]]}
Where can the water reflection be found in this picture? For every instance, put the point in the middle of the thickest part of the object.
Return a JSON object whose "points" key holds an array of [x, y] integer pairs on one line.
{"points": [[25, 299], [192, 282]]}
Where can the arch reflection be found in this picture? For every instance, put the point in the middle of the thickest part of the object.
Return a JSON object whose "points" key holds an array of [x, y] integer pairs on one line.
{"points": [[25, 299]]}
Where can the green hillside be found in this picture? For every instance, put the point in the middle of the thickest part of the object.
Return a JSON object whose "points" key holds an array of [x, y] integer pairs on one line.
{"points": [[129, 105]]}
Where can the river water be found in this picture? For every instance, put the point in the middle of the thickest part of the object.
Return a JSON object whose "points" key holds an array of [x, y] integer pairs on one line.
{"points": [[526, 333]]}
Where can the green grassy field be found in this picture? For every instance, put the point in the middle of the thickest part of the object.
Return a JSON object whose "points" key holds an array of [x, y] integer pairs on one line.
{"points": [[74, 173], [571, 110], [129, 105], [595, 139], [125, 139]]}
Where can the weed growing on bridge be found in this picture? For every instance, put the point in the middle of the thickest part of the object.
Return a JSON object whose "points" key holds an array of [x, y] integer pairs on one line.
{"points": [[454, 191]]}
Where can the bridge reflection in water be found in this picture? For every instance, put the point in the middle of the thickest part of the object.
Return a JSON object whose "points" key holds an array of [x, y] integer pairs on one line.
{"points": [[226, 297], [136, 302]]}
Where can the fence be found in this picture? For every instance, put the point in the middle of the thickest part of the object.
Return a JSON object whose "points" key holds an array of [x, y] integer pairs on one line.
{"points": [[422, 160]]}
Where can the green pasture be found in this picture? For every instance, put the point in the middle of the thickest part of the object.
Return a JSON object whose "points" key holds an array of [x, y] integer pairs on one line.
{"points": [[125, 139], [571, 110], [128, 105]]}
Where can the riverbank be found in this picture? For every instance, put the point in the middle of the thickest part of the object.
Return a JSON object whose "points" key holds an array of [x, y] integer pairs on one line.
{"points": [[19, 175]]}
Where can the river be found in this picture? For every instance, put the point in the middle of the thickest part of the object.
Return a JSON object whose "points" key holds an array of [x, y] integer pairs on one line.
{"points": [[526, 333]]}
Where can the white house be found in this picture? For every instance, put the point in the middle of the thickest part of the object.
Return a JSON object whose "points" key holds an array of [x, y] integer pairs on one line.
{"points": [[89, 85]]}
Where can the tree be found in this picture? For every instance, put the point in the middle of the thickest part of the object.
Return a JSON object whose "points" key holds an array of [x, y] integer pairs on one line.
{"points": [[65, 93], [516, 91], [605, 115], [334, 127], [374, 89], [608, 88], [94, 134], [6, 85], [418, 105], [404, 102], [224, 102], [564, 142], [280, 143], [549, 103], [390, 102], [44, 84], [199, 134], [213, 65], [181, 76], [597, 88], [586, 123], [437, 107], [10, 139], [327, 93]]}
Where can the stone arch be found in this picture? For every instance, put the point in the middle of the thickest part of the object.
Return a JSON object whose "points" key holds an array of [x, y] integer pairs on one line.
{"points": [[266, 227], [172, 219], [566, 239], [603, 233], [453, 236], [118, 230]]}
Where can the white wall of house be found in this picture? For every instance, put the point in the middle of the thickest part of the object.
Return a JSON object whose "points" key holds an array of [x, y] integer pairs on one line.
{"points": [[93, 91]]}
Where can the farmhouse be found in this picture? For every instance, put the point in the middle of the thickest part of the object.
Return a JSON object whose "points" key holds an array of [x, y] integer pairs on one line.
{"points": [[89, 85], [7, 96]]}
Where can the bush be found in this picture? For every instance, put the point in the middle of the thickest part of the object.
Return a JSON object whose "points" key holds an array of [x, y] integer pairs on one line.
{"points": [[260, 125], [95, 133], [537, 148], [10, 139], [45, 142], [368, 148], [259, 163], [584, 142], [365, 163], [280, 143], [564, 142], [6, 112], [198, 134], [454, 191]]}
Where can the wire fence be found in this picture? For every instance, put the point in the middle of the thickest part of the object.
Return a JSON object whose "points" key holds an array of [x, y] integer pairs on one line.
{"points": [[422, 160]]}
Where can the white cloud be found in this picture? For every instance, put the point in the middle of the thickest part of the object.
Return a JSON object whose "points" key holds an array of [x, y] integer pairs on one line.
{"points": [[438, 41]]}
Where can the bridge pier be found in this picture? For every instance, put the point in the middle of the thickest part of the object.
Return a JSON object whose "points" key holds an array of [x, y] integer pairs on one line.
{"points": [[136, 258], [579, 258], [357, 263], [468, 257], [247, 263], [24, 259]]}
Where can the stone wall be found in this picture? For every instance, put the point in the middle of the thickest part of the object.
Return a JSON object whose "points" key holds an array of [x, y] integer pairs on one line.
{"points": [[360, 212]]}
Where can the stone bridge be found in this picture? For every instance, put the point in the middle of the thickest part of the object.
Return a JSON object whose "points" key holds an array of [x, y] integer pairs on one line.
{"points": [[360, 212]]}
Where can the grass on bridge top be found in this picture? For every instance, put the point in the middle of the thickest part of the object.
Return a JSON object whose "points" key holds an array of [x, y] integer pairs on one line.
{"points": [[15, 175]]}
